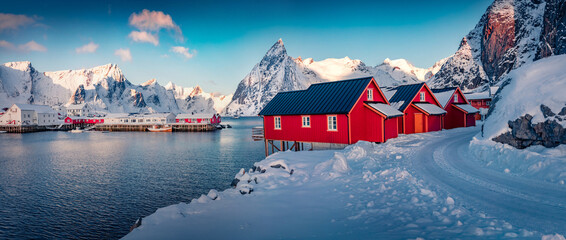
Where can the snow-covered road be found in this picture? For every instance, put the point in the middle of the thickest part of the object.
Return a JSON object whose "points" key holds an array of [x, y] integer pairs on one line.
{"points": [[446, 163], [415, 186]]}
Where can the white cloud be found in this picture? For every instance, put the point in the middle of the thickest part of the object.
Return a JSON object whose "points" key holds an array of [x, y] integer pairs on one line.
{"points": [[27, 47], [184, 51], [154, 21], [88, 48], [124, 54], [32, 46], [13, 21], [6, 44], [143, 36]]}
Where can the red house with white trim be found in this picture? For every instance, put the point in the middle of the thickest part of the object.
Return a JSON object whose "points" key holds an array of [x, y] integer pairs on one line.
{"points": [[421, 110], [459, 112], [341, 112]]}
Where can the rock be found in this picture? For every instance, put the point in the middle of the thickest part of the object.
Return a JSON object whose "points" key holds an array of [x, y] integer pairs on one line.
{"points": [[551, 132], [546, 112], [235, 182], [136, 224], [522, 128], [562, 112], [278, 166]]}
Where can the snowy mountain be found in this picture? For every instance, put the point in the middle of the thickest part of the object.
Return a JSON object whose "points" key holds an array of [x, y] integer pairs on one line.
{"points": [[105, 88], [195, 100], [508, 35], [278, 72]]}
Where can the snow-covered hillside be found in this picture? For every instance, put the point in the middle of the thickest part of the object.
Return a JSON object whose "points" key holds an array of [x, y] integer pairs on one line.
{"points": [[510, 34], [104, 87], [278, 72], [525, 91]]}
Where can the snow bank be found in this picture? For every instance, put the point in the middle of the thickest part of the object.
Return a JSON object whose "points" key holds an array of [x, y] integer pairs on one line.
{"points": [[548, 164]]}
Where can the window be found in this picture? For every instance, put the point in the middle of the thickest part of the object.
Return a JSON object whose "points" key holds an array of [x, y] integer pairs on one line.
{"points": [[370, 94], [422, 96], [277, 122], [455, 98], [306, 121], [332, 123]]}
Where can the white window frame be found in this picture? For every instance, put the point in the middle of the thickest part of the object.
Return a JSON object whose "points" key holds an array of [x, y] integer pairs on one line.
{"points": [[332, 123], [370, 94], [422, 96], [455, 98], [277, 122], [307, 123]]}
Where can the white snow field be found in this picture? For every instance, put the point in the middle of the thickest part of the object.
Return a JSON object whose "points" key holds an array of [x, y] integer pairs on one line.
{"points": [[425, 186]]}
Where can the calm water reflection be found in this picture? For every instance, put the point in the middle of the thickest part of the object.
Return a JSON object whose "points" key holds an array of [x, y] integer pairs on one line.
{"points": [[95, 185]]}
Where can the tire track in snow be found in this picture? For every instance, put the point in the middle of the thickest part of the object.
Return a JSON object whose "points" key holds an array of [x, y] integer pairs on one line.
{"points": [[522, 202]]}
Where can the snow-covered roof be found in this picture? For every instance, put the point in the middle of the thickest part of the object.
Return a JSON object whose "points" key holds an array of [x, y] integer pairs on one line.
{"points": [[430, 108], [76, 106], [475, 96], [389, 92], [466, 108], [116, 115], [443, 97], [153, 115], [36, 108], [386, 109], [199, 115]]}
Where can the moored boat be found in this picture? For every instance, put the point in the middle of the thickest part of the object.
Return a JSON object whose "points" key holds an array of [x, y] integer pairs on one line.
{"points": [[77, 130], [160, 128]]}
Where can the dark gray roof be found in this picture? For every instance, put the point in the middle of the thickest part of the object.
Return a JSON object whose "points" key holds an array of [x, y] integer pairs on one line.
{"points": [[438, 90], [404, 94], [321, 98]]}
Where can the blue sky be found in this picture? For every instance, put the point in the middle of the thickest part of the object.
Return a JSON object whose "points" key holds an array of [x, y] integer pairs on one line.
{"points": [[216, 43]]}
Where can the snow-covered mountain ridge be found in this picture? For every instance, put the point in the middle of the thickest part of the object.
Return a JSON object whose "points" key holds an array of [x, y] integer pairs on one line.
{"points": [[278, 72], [510, 34], [104, 87]]}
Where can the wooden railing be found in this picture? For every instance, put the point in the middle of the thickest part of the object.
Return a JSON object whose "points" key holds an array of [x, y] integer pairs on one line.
{"points": [[257, 134]]}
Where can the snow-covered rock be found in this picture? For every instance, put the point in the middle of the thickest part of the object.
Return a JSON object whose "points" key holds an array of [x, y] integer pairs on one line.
{"points": [[105, 88]]}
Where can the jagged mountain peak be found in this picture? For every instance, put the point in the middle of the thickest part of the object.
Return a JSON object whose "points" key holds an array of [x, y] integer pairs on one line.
{"points": [[278, 49], [149, 82], [196, 91], [21, 65]]}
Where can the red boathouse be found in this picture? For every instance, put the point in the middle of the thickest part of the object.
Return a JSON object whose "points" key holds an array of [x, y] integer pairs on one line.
{"points": [[421, 110], [459, 112], [339, 112]]}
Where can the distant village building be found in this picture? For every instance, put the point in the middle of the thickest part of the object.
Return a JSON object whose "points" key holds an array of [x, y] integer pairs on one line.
{"points": [[79, 110], [459, 113], [29, 114], [481, 101], [421, 110], [155, 118], [200, 118]]}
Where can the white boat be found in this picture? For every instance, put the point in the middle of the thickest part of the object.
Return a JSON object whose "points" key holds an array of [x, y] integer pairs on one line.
{"points": [[160, 128], [78, 130], [3, 132]]}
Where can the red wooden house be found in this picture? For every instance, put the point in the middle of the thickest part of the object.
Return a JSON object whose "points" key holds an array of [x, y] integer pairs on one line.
{"points": [[459, 112], [421, 110], [342, 112]]}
